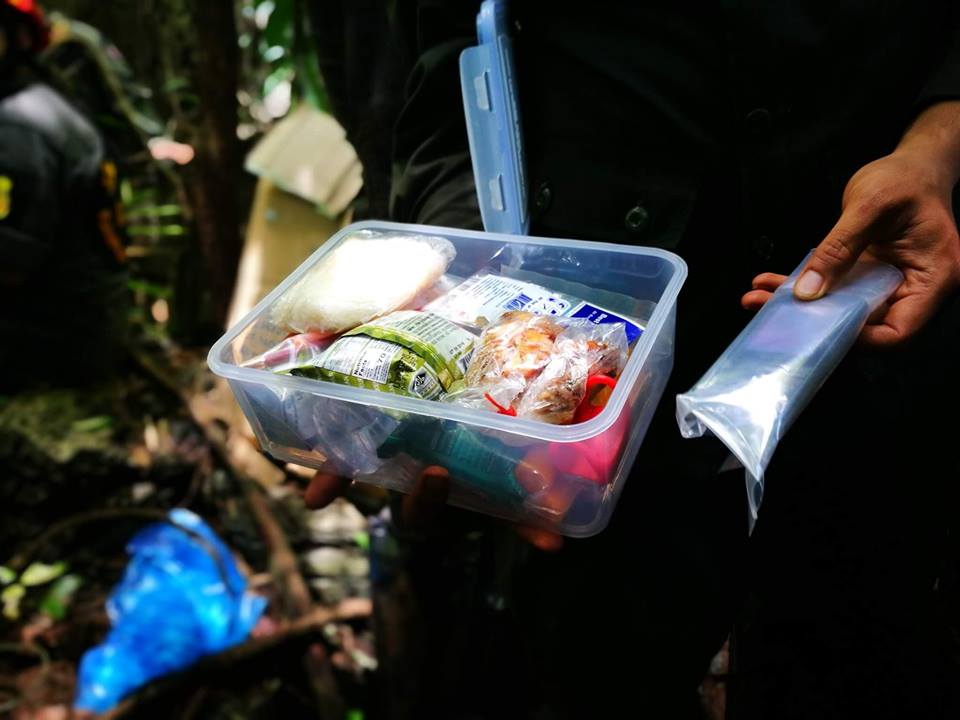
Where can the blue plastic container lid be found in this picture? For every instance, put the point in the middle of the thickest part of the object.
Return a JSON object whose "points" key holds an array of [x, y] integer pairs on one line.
{"points": [[493, 123]]}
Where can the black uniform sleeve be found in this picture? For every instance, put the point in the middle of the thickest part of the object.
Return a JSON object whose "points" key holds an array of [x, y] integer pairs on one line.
{"points": [[59, 200], [945, 82], [30, 211], [433, 178], [99, 191]]}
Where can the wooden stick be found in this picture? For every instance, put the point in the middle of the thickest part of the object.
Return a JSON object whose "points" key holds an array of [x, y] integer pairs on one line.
{"points": [[249, 658]]}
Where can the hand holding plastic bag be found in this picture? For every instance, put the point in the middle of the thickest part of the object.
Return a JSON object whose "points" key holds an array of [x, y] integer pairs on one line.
{"points": [[760, 384]]}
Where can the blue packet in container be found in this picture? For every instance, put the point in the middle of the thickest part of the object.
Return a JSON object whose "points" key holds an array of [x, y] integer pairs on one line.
{"points": [[493, 123]]}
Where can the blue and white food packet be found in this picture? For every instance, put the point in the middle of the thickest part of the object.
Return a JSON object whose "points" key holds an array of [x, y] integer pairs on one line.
{"points": [[484, 298]]}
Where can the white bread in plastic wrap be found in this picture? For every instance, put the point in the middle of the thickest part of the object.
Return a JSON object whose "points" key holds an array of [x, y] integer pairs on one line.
{"points": [[366, 276]]}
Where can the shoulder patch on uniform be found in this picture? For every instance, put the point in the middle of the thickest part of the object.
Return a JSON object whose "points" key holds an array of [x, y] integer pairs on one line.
{"points": [[6, 187]]}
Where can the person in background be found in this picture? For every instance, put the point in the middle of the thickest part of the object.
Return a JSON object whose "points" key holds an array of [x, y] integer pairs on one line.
{"points": [[63, 293], [739, 135], [363, 71]]}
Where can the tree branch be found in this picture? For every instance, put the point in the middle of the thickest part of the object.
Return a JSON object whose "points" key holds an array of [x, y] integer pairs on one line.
{"points": [[239, 663]]}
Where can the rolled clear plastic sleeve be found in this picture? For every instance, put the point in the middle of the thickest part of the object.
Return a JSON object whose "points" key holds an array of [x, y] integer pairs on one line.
{"points": [[755, 390]]}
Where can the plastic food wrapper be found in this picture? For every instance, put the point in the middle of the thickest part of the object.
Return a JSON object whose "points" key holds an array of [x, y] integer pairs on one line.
{"points": [[639, 311], [346, 434], [760, 384], [408, 352], [582, 351], [368, 275], [304, 348], [446, 347], [181, 597], [503, 474], [537, 367], [469, 457], [365, 362], [486, 297], [295, 351]]}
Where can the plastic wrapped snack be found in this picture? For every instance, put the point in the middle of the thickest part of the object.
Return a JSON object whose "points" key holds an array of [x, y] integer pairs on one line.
{"points": [[521, 344], [347, 434], [366, 362], [368, 275], [537, 367], [581, 352], [760, 384], [447, 348], [407, 352], [486, 297]]}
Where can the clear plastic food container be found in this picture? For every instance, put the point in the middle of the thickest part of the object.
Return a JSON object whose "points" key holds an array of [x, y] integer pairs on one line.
{"points": [[566, 478]]}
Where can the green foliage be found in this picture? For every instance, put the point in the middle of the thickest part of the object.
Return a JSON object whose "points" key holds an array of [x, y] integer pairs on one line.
{"points": [[362, 539], [175, 85], [287, 47], [154, 211], [39, 573], [10, 597], [279, 31], [284, 73], [36, 574], [93, 424], [149, 289], [157, 230], [57, 600]]}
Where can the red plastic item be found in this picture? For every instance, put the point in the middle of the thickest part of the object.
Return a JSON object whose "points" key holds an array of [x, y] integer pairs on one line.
{"points": [[500, 408], [587, 410], [594, 459]]}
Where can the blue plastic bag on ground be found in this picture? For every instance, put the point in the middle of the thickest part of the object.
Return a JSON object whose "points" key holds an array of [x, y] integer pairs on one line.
{"points": [[180, 598]]}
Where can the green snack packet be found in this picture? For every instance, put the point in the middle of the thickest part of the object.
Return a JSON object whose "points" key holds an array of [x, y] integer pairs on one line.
{"points": [[446, 347], [375, 364]]}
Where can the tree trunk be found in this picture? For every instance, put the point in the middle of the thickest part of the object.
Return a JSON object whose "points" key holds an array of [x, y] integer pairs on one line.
{"points": [[209, 61], [186, 51]]}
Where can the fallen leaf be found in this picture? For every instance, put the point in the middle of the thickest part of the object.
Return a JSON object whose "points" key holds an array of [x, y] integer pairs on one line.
{"points": [[40, 573], [11, 597]]}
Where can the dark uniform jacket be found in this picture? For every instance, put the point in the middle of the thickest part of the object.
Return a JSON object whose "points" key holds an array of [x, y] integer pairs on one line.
{"points": [[61, 252], [724, 131], [785, 100]]}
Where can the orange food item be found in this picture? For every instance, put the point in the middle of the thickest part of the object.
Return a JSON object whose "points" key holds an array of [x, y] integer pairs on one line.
{"points": [[536, 367], [520, 344], [537, 474]]}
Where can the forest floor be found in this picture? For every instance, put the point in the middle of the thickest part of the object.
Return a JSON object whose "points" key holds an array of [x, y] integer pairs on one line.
{"points": [[81, 470]]}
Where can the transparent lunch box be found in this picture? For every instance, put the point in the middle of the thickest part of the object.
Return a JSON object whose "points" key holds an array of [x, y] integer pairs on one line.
{"points": [[578, 470]]}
